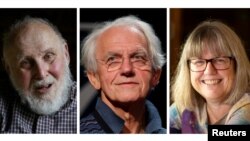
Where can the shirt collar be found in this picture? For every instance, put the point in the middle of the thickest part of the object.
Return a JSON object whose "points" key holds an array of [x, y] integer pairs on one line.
{"points": [[153, 119], [112, 120], [115, 123]]}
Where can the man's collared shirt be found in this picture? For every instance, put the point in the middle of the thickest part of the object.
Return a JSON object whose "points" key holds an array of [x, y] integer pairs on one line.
{"points": [[17, 118], [104, 120]]}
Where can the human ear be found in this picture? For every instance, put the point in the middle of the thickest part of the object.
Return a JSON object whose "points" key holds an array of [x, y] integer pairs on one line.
{"points": [[94, 80], [66, 53], [156, 77]]}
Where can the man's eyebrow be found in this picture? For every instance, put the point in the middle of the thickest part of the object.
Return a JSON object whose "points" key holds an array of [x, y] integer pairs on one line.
{"points": [[142, 50], [23, 55], [111, 54], [48, 50], [117, 53]]}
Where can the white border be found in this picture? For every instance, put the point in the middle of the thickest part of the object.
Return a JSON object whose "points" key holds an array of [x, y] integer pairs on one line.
{"points": [[125, 3], [168, 67], [118, 4], [78, 68], [104, 137]]}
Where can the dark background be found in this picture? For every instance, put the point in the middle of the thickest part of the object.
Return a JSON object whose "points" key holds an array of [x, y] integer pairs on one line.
{"points": [[157, 19], [63, 19]]}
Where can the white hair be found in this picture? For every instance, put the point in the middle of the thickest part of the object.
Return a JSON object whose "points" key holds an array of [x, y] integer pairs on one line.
{"points": [[89, 43]]}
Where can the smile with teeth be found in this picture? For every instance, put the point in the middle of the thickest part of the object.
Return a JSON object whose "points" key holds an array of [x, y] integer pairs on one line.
{"points": [[43, 88], [211, 82]]}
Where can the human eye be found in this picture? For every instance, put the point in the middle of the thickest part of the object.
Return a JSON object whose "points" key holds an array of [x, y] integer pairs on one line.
{"points": [[49, 57], [220, 61], [198, 62], [25, 64], [112, 59], [141, 57]]}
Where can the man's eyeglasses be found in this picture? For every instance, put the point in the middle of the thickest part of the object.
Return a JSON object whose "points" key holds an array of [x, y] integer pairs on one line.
{"points": [[137, 60], [219, 63]]}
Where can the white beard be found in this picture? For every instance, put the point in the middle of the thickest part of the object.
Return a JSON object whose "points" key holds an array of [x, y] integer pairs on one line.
{"points": [[50, 102]]}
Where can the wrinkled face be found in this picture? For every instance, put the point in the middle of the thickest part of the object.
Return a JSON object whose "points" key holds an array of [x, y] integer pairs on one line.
{"points": [[38, 65], [124, 70], [214, 85]]}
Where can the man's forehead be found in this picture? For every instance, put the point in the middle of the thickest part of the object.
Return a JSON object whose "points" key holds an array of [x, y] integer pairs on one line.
{"points": [[121, 30], [35, 29], [35, 35], [35, 39], [121, 38]]}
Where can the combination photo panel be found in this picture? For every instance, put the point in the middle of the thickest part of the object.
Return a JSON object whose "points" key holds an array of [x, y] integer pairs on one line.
{"points": [[209, 59], [123, 71], [38, 92]]}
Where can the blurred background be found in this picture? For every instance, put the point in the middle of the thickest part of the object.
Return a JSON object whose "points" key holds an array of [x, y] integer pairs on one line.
{"points": [[64, 19], [183, 21], [89, 18]]}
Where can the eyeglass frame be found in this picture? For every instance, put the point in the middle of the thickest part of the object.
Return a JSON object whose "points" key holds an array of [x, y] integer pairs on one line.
{"points": [[211, 61], [107, 65]]}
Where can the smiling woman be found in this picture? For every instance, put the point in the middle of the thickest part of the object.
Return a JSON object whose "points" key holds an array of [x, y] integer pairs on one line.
{"points": [[211, 84]]}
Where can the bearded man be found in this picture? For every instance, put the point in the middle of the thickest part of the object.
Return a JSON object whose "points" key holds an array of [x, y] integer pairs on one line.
{"points": [[36, 57]]}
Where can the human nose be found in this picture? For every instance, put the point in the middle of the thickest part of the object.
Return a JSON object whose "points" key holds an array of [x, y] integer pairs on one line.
{"points": [[126, 66], [210, 69], [40, 70]]}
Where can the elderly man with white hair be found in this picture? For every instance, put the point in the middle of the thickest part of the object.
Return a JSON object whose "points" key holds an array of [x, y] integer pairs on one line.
{"points": [[37, 60], [123, 61]]}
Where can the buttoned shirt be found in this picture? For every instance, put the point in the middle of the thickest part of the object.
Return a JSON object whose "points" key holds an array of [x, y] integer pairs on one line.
{"points": [[18, 118], [104, 120]]}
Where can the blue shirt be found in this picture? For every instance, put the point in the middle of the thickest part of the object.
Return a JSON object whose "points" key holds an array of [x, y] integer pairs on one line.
{"points": [[104, 120]]}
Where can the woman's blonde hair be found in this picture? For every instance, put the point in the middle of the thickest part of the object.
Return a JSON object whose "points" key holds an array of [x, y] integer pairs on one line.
{"points": [[219, 39]]}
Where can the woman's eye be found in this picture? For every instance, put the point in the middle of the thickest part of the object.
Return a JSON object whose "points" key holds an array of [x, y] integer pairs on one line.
{"points": [[198, 62]]}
